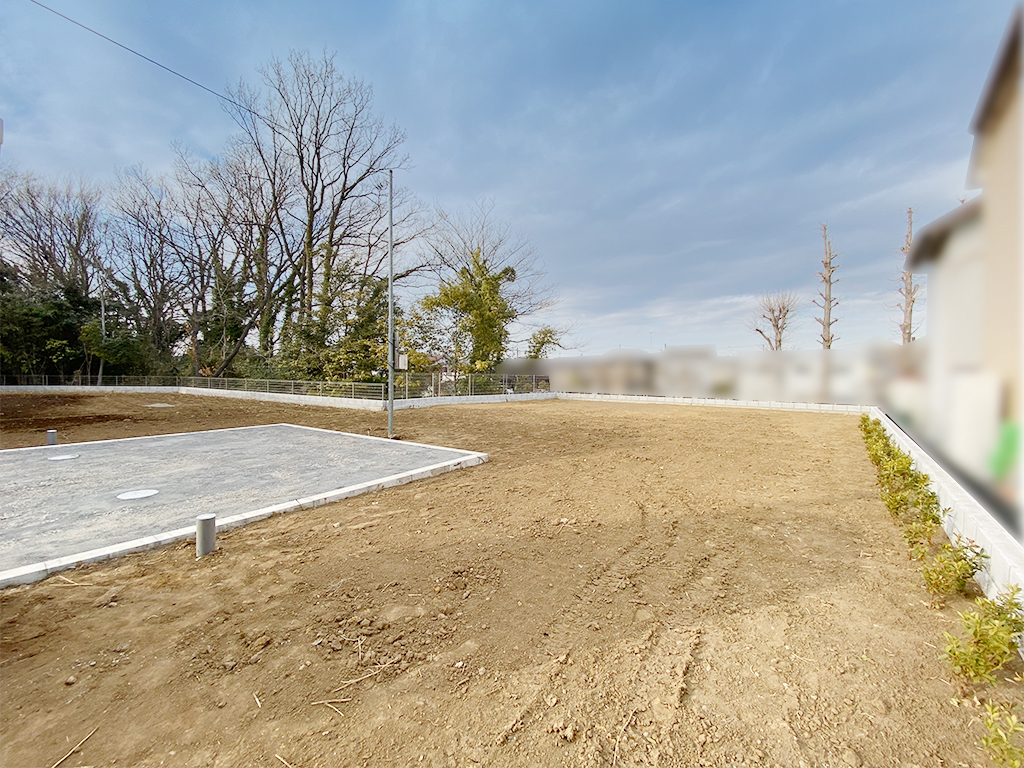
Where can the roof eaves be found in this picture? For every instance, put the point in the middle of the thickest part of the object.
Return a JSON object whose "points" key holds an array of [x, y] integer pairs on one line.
{"points": [[930, 239], [1000, 67]]}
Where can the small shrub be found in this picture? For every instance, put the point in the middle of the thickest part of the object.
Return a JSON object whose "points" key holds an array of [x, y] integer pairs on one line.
{"points": [[918, 536], [1002, 725], [896, 473], [928, 507], [951, 569], [904, 490], [897, 503], [920, 531], [992, 635], [1006, 609], [988, 647]]}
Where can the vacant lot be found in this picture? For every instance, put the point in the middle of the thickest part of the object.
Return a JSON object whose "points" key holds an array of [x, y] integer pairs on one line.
{"points": [[621, 585]]}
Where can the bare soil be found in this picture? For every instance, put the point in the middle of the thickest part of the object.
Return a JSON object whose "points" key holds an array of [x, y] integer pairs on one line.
{"points": [[620, 585]]}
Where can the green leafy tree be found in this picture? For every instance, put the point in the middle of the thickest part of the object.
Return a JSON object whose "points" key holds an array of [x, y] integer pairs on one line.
{"points": [[543, 340], [481, 313], [123, 351], [350, 344], [40, 330], [489, 282]]}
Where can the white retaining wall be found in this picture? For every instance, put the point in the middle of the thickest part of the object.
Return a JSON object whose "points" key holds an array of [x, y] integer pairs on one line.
{"points": [[426, 402], [280, 397], [362, 404], [966, 518], [15, 389], [718, 403]]}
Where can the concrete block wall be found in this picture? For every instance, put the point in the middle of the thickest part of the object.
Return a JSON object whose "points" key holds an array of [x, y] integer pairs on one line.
{"points": [[426, 402]]}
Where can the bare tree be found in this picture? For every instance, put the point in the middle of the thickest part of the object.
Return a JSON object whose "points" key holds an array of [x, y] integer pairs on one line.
{"points": [[145, 269], [203, 222], [828, 302], [53, 230], [907, 290], [774, 312], [293, 214], [234, 250], [319, 124]]}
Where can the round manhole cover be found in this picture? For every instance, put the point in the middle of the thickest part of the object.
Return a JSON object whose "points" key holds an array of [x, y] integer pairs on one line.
{"points": [[145, 493]]}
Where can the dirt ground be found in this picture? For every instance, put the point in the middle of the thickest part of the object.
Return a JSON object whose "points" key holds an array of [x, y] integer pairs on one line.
{"points": [[620, 585]]}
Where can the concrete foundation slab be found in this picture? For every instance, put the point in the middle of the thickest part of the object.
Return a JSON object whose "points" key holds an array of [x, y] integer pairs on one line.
{"points": [[60, 505]]}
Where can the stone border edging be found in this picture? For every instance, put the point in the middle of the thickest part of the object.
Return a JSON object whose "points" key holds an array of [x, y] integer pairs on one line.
{"points": [[281, 397], [366, 404], [360, 403], [30, 388]]}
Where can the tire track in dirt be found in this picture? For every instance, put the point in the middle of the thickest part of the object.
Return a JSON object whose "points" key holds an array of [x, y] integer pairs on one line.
{"points": [[621, 705], [603, 587]]}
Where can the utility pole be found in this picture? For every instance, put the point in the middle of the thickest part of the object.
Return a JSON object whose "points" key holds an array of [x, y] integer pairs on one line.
{"points": [[103, 317], [103, 328], [391, 305]]}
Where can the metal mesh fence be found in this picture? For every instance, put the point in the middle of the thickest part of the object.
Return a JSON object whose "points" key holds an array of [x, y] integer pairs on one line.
{"points": [[407, 385]]}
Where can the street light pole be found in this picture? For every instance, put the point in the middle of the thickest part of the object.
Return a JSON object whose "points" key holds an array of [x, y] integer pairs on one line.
{"points": [[391, 306]]}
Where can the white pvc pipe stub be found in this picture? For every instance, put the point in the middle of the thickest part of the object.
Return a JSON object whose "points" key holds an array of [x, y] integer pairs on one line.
{"points": [[51, 437], [206, 534]]}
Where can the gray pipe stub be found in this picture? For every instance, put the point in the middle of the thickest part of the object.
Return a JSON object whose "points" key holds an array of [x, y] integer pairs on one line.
{"points": [[206, 534]]}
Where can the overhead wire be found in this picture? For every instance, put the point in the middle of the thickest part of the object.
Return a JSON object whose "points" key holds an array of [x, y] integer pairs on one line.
{"points": [[151, 61]]}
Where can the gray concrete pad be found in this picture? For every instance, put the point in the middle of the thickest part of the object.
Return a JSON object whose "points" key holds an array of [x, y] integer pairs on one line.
{"points": [[60, 505]]}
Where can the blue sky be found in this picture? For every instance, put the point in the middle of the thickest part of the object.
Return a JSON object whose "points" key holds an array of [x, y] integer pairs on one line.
{"points": [[668, 160]]}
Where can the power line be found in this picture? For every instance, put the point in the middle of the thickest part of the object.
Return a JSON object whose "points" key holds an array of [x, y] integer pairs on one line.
{"points": [[151, 61]]}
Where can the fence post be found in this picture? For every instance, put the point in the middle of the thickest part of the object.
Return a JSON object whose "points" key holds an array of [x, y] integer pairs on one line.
{"points": [[471, 384]]}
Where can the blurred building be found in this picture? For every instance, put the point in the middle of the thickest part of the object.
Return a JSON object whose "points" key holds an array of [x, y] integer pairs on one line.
{"points": [[868, 374], [973, 259]]}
